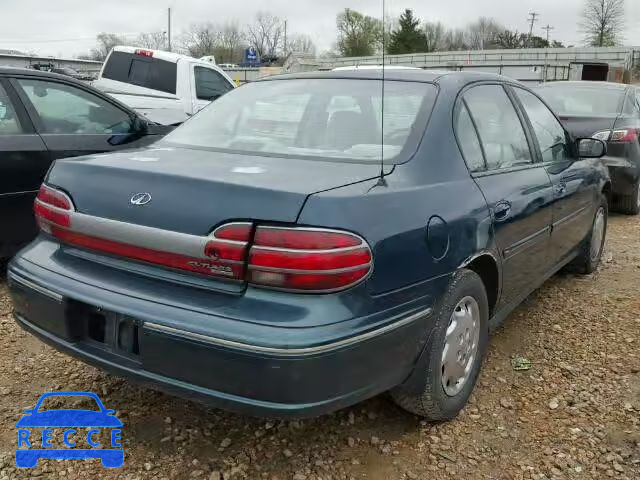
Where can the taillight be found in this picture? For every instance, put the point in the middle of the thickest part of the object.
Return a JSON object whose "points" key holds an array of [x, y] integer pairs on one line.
{"points": [[306, 259], [623, 135], [52, 207]]}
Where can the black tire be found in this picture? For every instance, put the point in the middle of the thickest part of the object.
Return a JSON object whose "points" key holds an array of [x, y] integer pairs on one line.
{"points": [[586, 263], [628, 204], [432, 402]]}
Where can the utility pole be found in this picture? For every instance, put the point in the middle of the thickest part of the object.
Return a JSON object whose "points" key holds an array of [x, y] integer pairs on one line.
{"points": [[533, 18], [548, 28], [169, 30], [285, 39]]}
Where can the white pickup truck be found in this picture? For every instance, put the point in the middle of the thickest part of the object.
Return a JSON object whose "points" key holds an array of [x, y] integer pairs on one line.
{"points": [[167, 88]]}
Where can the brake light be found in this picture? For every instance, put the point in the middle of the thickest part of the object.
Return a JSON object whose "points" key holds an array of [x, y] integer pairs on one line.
{"points": [[308, 259], [624, 135], [144, 53], [52, 207]]}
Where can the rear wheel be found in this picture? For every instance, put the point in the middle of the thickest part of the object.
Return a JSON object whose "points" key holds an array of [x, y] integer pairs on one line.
{"points": [[628, 204], [592, 247], [454, 353]]}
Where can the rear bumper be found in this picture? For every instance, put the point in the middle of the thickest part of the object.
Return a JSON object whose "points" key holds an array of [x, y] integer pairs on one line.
{"points": [[624, 175], [237, 374]]}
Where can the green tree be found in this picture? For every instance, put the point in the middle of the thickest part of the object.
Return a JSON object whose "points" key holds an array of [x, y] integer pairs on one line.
{"points": [[358, 35], [408, 37]]}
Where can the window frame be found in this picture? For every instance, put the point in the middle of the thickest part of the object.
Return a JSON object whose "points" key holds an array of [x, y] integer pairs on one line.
{"points": [[195, 81], [567, 135], [524, 122], [461, 104], [24, 119], [35, 116]]}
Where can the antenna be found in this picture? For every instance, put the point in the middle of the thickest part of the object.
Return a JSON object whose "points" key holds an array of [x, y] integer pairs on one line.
{"points": [[384, 49]]}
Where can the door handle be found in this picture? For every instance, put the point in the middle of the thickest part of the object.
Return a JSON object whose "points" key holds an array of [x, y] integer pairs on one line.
{"points": [[501, 210]]}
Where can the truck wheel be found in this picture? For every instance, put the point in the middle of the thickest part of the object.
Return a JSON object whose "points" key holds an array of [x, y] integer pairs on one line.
{"points": [[592, 247], [628, 204], [454, 352]]}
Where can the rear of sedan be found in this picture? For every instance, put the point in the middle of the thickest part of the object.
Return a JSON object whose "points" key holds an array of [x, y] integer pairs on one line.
{"points": [[609, 112], [202, 266]]}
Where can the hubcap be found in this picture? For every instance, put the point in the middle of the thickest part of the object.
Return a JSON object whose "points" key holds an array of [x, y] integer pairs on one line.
{"points": [[460, 346], [597, 237]]}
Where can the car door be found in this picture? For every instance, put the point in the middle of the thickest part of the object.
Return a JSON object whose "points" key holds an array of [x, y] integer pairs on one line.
{"points": [[75, 121], [24, 162], [574, 186], [516, 187], [208, 85]]}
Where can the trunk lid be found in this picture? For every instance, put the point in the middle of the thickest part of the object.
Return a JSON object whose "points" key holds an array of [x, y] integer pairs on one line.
{"points": [[192, 191], [584, 126]]}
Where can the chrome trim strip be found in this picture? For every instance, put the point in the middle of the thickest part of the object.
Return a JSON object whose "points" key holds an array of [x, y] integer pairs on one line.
{"points": [[569, 218], [285, 351], [525, 243], [34, 286], [260, 268]]}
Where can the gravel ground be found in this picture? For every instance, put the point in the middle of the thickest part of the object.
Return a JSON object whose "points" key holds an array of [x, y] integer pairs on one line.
{"points": [[574, 414]]}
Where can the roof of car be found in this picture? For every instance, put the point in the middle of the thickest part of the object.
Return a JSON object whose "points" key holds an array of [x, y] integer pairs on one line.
{"points": [[415, 75], [33, 72]]}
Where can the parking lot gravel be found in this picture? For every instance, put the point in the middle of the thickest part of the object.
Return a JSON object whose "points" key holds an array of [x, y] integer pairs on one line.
{"points": [[574, 414]]}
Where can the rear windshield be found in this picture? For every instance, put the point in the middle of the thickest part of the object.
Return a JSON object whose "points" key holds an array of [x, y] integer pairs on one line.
{"points": [[583, 100], [323, 118], [143, 71]]}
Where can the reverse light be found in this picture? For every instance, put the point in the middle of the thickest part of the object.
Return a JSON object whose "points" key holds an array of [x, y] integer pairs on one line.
{"points": [[307, 259]]}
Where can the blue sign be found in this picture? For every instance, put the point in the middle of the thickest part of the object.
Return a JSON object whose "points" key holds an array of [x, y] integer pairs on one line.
{"points": [[32, 447], [251, 56]]}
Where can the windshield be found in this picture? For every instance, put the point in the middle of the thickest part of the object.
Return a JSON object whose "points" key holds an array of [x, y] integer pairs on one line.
{"points": [[325, 118], [583, 100], [72, 402]]}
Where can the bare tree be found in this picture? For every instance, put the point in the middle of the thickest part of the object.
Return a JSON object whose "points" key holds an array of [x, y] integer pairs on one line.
{"points": [[152, 40], [104, 43], [302, 43], [200, 40], [435, 33], [454, 40], [482, 33], [266, 34], [603, 22], [230, 42]]}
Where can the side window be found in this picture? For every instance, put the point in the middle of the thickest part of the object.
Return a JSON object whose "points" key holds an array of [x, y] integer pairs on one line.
{"points": [[549, 132], [499, 127], [64, 109], [468, 139], [210, 84], [9, 123]]}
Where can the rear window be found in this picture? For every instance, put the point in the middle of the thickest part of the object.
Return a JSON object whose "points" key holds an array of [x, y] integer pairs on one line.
{"points": [[583, 100], [143, 71], [314, 118]]}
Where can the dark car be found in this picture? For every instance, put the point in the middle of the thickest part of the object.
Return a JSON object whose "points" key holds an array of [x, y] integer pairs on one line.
{"points": [[288, 253], [45, 116], [611, 113]]}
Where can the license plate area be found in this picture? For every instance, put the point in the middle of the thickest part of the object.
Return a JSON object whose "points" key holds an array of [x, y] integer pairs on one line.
{"points": [[99, 328]]}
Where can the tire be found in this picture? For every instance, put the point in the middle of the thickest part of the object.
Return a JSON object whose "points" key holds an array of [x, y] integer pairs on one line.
{"points": [[433, 402], [628, 204], [588, 259]]}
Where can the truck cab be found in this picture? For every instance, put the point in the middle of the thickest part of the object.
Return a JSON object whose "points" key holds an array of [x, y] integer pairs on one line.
{"points": [[165, 87]]}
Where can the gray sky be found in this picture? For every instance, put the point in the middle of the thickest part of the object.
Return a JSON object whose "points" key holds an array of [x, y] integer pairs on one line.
{"points": [[68, 27]]}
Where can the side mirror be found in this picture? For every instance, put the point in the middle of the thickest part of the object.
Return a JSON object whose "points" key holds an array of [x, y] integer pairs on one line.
{"points": [[140, 126], [29, 410], [591, 148], [109, 411]]}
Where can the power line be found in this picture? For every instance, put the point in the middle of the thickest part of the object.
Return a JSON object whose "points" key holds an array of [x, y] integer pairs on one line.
{"points": [[548, 28], [532, 19]]}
